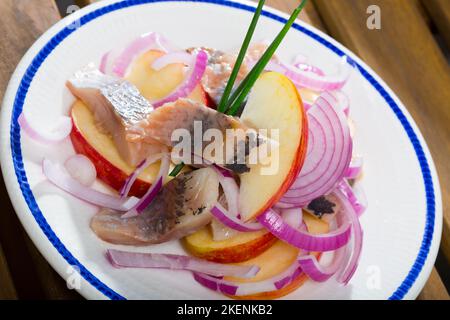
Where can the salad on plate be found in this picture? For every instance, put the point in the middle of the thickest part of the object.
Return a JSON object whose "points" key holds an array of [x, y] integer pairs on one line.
{"points": [[246, 159]]}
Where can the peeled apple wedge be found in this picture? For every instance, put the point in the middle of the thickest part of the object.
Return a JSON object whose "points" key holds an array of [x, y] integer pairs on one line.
{"points": [[274, 103], [277, 259], [240, 247]]}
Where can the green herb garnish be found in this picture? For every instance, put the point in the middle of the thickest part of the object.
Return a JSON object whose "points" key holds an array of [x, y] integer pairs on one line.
{"points": [[237, 65], [231, 106], [176, 170], [244, 88]]}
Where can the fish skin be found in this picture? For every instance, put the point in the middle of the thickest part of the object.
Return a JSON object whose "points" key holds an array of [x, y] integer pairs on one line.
{"points": [[124, 97], [218, 71], [181, 208], [118, 107], [220, 65], [182, 114]]}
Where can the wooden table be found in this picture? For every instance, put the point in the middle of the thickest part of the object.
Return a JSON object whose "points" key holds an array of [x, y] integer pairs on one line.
{"points": [[404, 52]]}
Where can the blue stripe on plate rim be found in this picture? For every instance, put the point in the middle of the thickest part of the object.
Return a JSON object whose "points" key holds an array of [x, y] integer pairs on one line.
{"points": [[419, 262]]}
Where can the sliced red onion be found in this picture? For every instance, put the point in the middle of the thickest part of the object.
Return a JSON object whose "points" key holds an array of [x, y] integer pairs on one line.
{"points": [[319, 273], [196, 74], [355, 168], [152, 191], [249, 288], [171, 58], [299, 58], [123, 259], [133, 177], [357, 205], [328, 154], [318, 82], [81, 169], [357, 233], [224, 171], [107, 61], [309, 68], [140, 45], [333, 240], [307, 105], [343, 101], [275, 66], [57, 134], [104, 62], [231, 221], [359, 193], [60, 178], [230, 189], [272, 65], [282, 205]]}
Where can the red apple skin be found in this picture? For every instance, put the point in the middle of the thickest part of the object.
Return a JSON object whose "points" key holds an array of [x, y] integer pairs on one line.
{"points": [[298, 164], [294, 285], [209, 102], [106, 171]]}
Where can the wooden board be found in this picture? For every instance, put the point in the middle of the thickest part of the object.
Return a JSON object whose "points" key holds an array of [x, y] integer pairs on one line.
{"points": [[435, 289], [439, 10], [7, 289], [21, 23]]}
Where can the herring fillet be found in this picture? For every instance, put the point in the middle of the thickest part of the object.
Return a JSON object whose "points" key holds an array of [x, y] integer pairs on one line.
{"points": [[189, 115], [118, 108], [181, 208]]}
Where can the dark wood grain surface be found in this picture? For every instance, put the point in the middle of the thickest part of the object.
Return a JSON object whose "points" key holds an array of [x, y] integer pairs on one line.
{"points": [[403, 52], [440, 11]]}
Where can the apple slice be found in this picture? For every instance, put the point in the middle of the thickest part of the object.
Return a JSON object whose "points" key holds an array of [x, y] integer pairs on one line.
{"points": [[274, 103], [155, 85], [277, 259], [99, 147], [240, 247]]}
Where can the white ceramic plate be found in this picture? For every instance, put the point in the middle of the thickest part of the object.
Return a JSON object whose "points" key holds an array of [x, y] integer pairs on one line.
{"points": [[402, 227]]}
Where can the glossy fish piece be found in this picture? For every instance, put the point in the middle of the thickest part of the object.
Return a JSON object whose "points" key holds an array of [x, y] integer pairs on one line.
{"points": [[218, 71], [184, 114], [220, 66], [182, 207], [117, 106]]}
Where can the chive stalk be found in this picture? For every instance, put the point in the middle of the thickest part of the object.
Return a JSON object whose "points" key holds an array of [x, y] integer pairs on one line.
{"points": [[240, 58], [244, 88]]}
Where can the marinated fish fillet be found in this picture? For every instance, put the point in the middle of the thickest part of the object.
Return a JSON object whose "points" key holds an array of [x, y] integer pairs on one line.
{"points": [[182, 207], [117, 106], [188, 114]]}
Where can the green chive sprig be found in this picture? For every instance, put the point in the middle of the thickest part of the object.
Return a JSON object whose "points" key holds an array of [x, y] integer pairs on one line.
{"points": [[230, 105], [175, 171], [240, 58], [244, 88]]}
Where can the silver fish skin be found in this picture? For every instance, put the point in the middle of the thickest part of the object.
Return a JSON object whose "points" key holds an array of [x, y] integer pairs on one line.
{"points": [[118, 108], [183, 114], [181, 208], [123, 96]]}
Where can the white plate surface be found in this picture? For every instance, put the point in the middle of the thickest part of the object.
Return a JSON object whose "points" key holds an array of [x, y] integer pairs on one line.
{"points": [[402, 227]]}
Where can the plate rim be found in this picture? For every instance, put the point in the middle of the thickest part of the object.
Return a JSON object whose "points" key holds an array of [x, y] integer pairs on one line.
{"points": [[25, 203]]}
